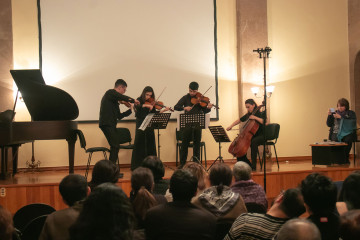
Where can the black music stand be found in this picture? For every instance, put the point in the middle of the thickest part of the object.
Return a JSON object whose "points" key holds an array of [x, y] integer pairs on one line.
{"points": [[159, 121], [192, 121], [220, 136]]}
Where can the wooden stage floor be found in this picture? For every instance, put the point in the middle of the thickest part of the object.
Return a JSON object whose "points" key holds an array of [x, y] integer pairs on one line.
{"points": [[42, 186]]}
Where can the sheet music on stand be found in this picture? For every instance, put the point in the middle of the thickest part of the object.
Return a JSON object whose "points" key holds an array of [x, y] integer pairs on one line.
{"points": [[219, 134], [146, 121], [155, 121], [199, 120]]}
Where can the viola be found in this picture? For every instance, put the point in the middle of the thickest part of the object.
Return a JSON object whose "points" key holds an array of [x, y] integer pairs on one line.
{"points": [[157, 104], [202, 100], [241, 143]]}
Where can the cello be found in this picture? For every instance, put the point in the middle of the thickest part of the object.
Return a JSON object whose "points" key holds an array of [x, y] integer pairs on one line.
{"points": [[241, 143]]}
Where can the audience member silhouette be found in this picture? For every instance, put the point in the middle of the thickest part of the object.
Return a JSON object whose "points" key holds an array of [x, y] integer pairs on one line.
{"points": [[350, 191], [104, 171], [252, 193], [180, 219], [141, 197], [250, 226], [6, 224], [219, 199], [73, 188], [156, 166], [320, 195], [350, 225], [197, 171], [298, 229], [107, 214]]}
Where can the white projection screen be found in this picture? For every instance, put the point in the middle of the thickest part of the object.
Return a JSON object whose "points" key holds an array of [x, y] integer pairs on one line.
{"points": [[86, 45]]}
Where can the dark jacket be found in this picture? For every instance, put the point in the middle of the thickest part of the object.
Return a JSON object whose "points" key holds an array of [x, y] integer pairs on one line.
{"points": [[109, 109], [179, 220]]}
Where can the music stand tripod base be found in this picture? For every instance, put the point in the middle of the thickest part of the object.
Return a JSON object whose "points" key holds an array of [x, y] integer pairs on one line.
{"points": [[220, 136]]}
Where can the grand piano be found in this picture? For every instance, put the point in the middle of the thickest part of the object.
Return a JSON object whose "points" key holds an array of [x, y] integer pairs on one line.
{"points": [[52, 111]]}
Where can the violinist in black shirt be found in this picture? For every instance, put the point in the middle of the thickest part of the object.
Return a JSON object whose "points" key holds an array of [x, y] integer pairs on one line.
{"points": [[110, 113], [186, 105]]}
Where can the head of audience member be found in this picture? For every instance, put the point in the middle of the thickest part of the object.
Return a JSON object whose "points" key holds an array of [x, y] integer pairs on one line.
{"points": [[198, 171], [142, 183], [183, 185], [73, 188], [350, 225], [320, 194], [155, 165], [104, 171], [6, 224], [298, 229], [106, 214], [290, 202], [242, 171], [350, 191], [220, 176]]}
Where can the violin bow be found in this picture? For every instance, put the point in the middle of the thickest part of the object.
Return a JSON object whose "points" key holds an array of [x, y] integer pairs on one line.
{"points": [[160, 94], [206, 91]]}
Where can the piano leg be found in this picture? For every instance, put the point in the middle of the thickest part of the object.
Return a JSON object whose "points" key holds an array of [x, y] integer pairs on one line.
{"points": [[15, 151], [71, 146], [3, 159]]}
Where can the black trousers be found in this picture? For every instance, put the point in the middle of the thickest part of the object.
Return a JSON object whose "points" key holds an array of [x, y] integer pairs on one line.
{"points": [[112, 138], [190, 134], [256, 141]]}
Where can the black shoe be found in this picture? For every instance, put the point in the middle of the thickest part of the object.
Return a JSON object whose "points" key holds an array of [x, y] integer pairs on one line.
{"points": [[121, 175]]}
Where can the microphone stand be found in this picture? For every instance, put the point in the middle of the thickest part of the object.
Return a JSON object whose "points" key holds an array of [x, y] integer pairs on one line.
{"points": [[264, 54]]}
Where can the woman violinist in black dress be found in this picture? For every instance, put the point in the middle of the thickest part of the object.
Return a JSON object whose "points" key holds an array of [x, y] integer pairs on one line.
{"points": [[258, 138], [145, 144]]}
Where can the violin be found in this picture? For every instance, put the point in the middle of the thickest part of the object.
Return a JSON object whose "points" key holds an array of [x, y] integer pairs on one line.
{"points": [[201, 100], [157, 104], [127, 104]]}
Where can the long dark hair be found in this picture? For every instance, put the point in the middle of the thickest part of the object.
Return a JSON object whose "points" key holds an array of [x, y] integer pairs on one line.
{"points": [[106, 214], [142, 181], [251, 102], [147, 89]]}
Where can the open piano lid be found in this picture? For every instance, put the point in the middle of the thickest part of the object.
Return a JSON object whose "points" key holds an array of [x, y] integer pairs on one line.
{"points": [[44, 102]]}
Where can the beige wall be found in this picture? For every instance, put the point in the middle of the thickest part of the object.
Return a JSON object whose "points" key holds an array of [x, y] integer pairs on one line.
{"points": [[54, 153], [309, 65]]}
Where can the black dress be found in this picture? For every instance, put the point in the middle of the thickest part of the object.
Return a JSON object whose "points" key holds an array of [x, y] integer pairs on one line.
{"points": [[145, 144]]}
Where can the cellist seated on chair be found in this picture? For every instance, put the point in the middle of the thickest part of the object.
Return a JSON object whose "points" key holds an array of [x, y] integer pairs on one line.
{"points": [[251, 133]]}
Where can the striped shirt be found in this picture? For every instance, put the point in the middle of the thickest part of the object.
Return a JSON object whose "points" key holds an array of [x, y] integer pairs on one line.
{"points": [[250, 226]]}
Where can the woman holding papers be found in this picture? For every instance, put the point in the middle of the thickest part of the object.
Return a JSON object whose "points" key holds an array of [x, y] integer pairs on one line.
{"points": [[342, 123], [144, 139]]}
